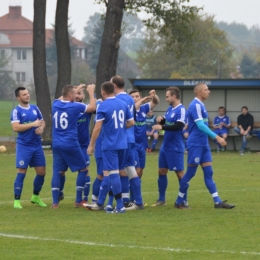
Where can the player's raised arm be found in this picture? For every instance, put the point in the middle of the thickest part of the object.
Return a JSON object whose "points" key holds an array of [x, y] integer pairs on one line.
{"points": [[155, 99], [92, 100]]}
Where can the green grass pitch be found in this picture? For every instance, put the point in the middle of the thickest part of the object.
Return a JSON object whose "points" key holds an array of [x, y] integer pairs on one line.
{"points": [[155, 233]]}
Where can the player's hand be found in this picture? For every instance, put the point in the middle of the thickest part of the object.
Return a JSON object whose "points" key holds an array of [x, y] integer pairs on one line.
{"points": [[159, 119], [146, 99], [38, 130], [37, 123], [90, 150], [90, 88], [152, 93], [221, 141], [80, 87], [157, 127]]}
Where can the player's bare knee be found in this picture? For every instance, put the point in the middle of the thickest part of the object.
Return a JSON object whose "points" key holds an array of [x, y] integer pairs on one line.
{"points": [[162, 171]]}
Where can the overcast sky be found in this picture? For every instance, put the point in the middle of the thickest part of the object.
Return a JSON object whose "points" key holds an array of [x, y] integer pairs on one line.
{"points": [[241, 11]]}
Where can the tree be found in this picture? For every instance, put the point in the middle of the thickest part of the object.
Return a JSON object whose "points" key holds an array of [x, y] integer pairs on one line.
{"points": [[210, 54], [63, 46], [249, 68], [39, 65], [171, 18]]}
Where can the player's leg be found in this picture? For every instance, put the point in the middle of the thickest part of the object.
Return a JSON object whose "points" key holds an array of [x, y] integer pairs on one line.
{"points": [[62, 184], [38, 162], [23, 158], [98, 180], [162, 179], [87, 178], [124, 178]]}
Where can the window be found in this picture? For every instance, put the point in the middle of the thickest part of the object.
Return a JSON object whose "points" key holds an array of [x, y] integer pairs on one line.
{"points": [[21, 54], [20, 77], [2, 55]]}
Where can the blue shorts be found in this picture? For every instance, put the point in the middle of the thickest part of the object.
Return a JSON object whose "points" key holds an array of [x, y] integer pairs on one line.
{"points": [[171, 160], [199, 154], [130, 156], [221, 131], [113, 159], [32, 156], [140, 158], [99, 164], [84, 151], [68, 156]]}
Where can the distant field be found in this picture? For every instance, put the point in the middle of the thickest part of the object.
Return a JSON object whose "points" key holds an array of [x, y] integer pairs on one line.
{"points": [[155, 233]]}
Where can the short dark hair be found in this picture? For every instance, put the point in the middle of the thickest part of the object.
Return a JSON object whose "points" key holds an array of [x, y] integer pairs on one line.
{"points": [[108, 87], [119, 81], [244, 107], [66, 90], [174, 91], [17, 91], [221, 107], [135, 91]]}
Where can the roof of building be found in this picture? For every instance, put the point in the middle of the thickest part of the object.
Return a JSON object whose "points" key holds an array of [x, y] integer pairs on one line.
{"points": [[19, 30]]}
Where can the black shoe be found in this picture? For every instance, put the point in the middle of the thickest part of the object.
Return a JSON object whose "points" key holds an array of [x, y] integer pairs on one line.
{"points": [[224, 205], [181, 206], [128, 204], [61, 197]]}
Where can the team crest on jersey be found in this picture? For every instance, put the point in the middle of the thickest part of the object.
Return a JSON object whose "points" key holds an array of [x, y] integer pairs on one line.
{"points": [[23, 114], [21, 162], [197, 159], [34, 111], [172, 115]]}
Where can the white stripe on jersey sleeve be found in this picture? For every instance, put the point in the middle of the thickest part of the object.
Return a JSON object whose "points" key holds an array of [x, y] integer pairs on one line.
{"points": [[100, 119], [182, 119], [15, 118], [130, 119], [198, 108]]}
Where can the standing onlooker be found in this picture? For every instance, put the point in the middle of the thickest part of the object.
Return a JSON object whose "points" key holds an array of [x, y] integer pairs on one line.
{"points": [[171, 156], [198, 149], [27, 120], [245, 122], [221, 125], [150, 122]]}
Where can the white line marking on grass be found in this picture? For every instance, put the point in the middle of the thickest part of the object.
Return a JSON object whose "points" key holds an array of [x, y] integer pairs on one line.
{"points": [[128, 246]]}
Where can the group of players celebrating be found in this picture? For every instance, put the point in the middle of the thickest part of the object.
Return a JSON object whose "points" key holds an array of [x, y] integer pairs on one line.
{"points": [[119, 141]]}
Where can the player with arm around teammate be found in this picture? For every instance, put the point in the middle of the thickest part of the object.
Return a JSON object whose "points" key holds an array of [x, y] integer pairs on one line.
{"points": [[27, 120], [113, 117]]}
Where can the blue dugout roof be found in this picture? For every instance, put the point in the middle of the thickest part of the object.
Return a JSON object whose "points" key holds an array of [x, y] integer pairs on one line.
{"points": [[190, 83]]}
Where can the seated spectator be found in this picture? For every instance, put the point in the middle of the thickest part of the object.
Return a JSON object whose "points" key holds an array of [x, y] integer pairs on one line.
{"points": [[221, 125], [149, 122], [245, 123]]}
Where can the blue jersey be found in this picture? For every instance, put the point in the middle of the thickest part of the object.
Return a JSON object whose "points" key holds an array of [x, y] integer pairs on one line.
{"points": [[173, 140], [64, 122], [130, 102], [98, 151], [83, 129], [197, 111], [114, 113], [26, 115], [149, 122], [140, 126], [219, 119]]}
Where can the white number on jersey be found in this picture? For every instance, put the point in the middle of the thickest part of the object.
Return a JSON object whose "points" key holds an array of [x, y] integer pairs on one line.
{"points": [[62, 120], [121, 118]]}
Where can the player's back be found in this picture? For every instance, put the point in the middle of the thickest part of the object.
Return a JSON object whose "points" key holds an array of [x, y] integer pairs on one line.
{"points": [[114, 113], [131, 104], [197, 111], [25, 116], [173, 140], [64, 122]]}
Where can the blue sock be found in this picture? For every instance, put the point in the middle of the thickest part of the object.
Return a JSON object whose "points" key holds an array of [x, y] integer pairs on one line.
{"points": [[162, 185], [210, 184], [154, 144], [131, 193], [104, 187], [18, 185], [136, 188], [37, 184], [87, 188], [110, 196], [185, 195], [95, 189], [55, 187], [125, 188], [117, 189], [184, 184], [80, 182], [62, 183]]}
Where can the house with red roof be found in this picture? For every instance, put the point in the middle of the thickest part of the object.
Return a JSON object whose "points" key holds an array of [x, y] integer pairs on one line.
{"points": [[16, 43]]}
